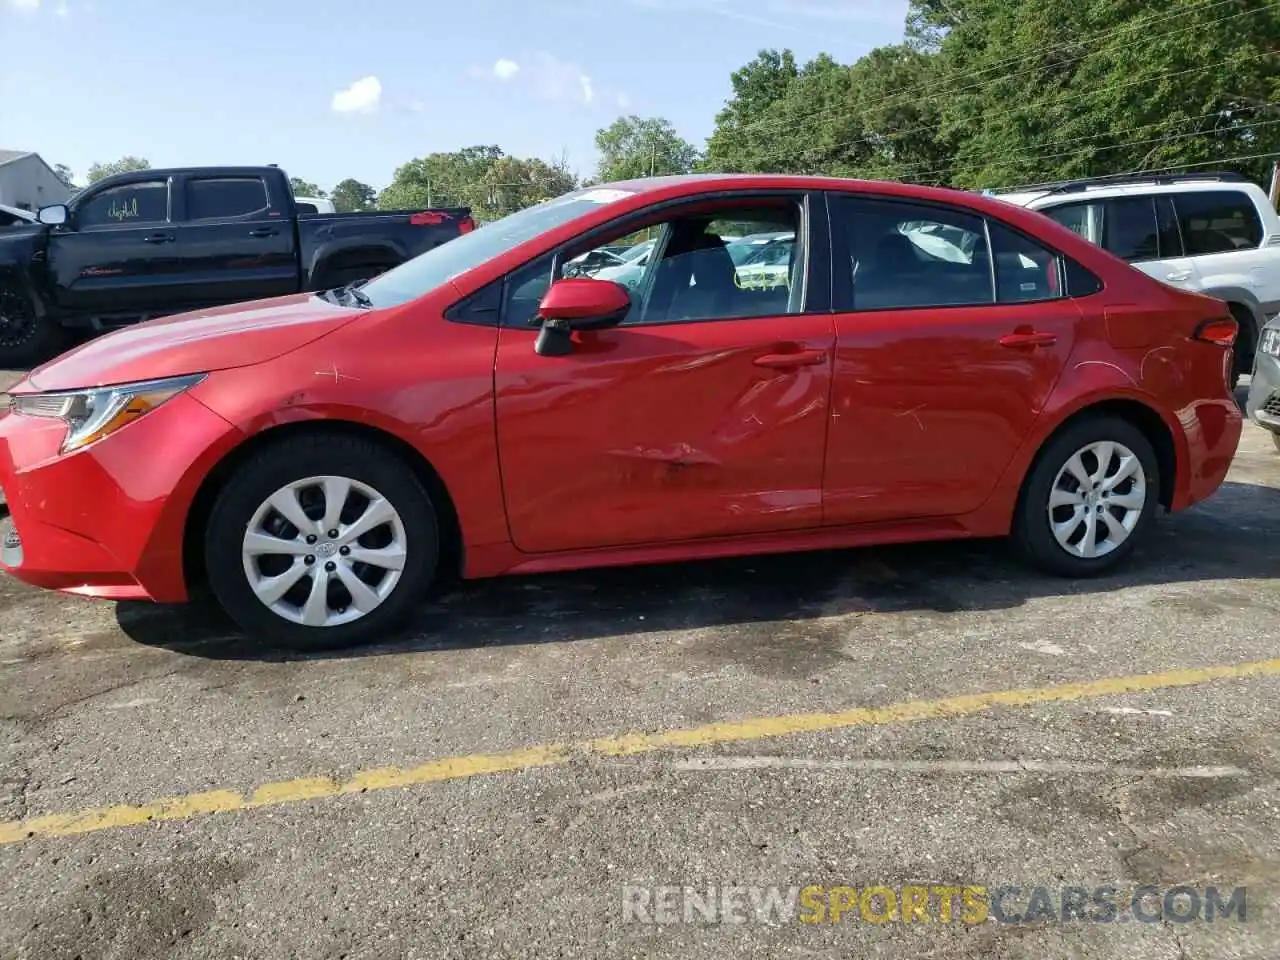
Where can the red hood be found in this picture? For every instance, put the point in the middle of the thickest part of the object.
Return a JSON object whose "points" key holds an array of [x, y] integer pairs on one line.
{"points": [[216, 339]]}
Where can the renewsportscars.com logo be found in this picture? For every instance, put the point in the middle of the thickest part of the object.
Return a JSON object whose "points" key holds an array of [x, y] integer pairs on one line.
{"points": [[934, 903]]}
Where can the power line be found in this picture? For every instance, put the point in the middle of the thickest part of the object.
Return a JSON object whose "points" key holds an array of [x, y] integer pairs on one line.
{"points": [[923, 96], [1177, 166], [1118, 146], [893, 136]]}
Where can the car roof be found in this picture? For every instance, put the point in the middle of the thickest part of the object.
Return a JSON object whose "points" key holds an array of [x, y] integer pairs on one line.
{"points": [[1102, 191]]}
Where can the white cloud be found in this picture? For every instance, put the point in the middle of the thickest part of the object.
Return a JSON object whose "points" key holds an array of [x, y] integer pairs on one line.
{"points": [[505, 69], [62, 11], [556, 79], [363, 96], [25, 6]]}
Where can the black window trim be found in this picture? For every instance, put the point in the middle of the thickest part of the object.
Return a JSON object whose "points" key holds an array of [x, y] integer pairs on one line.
{"points": [[1181, 252], [485, 307], [842, 285], [261, 213], [148, 224]]}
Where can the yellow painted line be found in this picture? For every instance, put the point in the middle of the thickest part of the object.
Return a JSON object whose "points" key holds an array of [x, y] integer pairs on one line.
{"points": [[627, 745]]}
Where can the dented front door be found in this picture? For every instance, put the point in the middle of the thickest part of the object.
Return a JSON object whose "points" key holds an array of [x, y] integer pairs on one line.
{"points": [[656, 433]]}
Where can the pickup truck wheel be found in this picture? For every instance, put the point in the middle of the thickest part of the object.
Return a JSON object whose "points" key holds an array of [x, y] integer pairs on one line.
{"points": [[321, 541], [28, 335]]}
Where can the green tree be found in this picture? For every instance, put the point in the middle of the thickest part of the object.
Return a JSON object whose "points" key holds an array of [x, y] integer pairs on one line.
{"points": [[351, 195], [741, 131], [305, 188], [1098, 89], [483, 178], [123, 165], [63, 173], [635, 146]]}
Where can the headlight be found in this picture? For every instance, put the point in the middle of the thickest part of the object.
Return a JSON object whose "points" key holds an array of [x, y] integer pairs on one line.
{"points": [[1270, 343], [98, 412]]}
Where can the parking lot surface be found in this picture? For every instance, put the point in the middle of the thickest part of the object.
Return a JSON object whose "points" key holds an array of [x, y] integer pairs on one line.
{"points": [[498, 782]]}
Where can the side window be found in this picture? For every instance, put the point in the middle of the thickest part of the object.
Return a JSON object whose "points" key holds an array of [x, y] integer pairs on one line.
{"points": [[130, 204], [1024, 269], [226, 198], [1169, 235], [1084, 219], [305, 208], [1217, 221], [684, 269], [1129, 228], [904, 255]]}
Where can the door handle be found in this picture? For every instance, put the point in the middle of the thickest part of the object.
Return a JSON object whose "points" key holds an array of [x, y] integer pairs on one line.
{"points": [[159, 238], [263, 232], [783, 361], [1180, 275], [1028, 339]]}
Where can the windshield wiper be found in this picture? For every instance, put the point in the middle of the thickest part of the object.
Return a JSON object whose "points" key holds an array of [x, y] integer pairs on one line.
{"points": [[353, 293]]}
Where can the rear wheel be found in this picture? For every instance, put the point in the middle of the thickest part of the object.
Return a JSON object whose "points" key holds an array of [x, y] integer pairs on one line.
{"points": [[1089, 497], [321, 541], [28, 335], [1275, 438]]}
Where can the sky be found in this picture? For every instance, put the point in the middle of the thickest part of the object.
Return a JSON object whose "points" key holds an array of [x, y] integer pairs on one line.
{"points": [[330, 89]]}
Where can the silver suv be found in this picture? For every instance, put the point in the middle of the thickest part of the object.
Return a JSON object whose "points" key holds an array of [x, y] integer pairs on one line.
{"points": [[1214, 233]]}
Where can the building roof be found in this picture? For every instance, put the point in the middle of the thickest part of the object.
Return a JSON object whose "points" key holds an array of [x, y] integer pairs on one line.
{"points": [[9, 155]]}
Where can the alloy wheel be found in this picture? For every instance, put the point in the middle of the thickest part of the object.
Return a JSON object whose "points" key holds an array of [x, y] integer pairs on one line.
{"points": [[17, 317], [324, 551], [1097, 499]]}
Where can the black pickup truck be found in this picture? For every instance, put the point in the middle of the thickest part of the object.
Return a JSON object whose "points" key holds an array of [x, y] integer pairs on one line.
{"points": [[157, 242]]}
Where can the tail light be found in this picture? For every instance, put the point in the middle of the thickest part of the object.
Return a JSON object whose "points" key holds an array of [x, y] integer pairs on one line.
{"points": [[466, 225], [1219, 330]]}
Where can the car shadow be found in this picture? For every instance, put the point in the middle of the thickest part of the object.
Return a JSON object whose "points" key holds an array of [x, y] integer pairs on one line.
{"points": [[1232, 536]]}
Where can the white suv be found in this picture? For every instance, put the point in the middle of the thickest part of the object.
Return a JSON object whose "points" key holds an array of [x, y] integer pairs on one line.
{"points": [[1214, 233]]}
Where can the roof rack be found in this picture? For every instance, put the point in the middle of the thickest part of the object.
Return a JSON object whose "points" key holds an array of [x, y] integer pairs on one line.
{"points": [[1075, 186]]}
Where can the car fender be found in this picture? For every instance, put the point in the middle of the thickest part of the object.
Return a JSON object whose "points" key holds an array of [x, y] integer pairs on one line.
{"points": [[1236, 294], [1108, 386], [327, 251]]}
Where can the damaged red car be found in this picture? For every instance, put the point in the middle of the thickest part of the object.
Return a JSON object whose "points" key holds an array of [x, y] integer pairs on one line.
{"points": [[762, 364]]}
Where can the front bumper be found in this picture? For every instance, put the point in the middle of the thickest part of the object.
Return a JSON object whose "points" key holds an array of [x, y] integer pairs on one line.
{"points": [[108, 520], [1263, 405]]}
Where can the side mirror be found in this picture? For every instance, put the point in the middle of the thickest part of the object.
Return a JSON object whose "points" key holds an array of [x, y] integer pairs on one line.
{"points": [[53, 215], [582, 303]]}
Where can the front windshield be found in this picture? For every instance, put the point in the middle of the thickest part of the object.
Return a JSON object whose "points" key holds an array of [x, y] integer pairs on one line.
{"points": [[427, 271]]}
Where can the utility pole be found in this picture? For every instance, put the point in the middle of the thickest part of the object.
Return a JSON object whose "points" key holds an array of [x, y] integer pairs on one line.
{"points": [[1274, 192]]}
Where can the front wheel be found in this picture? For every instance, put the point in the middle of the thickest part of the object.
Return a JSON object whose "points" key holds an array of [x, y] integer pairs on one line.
{"points": [[28, 335], [1089, 497], [1275, 438], [321, 541]]}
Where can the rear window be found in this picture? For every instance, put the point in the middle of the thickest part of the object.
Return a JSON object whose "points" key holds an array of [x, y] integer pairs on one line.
{"points": [[218, 199], [1217, 221]]}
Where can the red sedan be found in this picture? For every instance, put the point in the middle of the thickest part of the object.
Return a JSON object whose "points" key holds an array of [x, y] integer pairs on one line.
{"points": [[914, 364]]}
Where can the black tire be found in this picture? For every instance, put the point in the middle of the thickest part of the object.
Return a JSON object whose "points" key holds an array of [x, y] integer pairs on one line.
{"points": [[29, 336], [1275, 438], [297, 458], [1031, 528]]}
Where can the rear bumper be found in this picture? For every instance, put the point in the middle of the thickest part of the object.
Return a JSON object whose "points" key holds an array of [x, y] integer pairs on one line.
{"points": [[107, 521], [1263, 406], [1212, 431]]}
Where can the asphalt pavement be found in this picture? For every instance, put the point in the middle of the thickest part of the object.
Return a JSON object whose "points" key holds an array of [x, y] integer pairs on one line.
{"points": [[542, 765]]}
